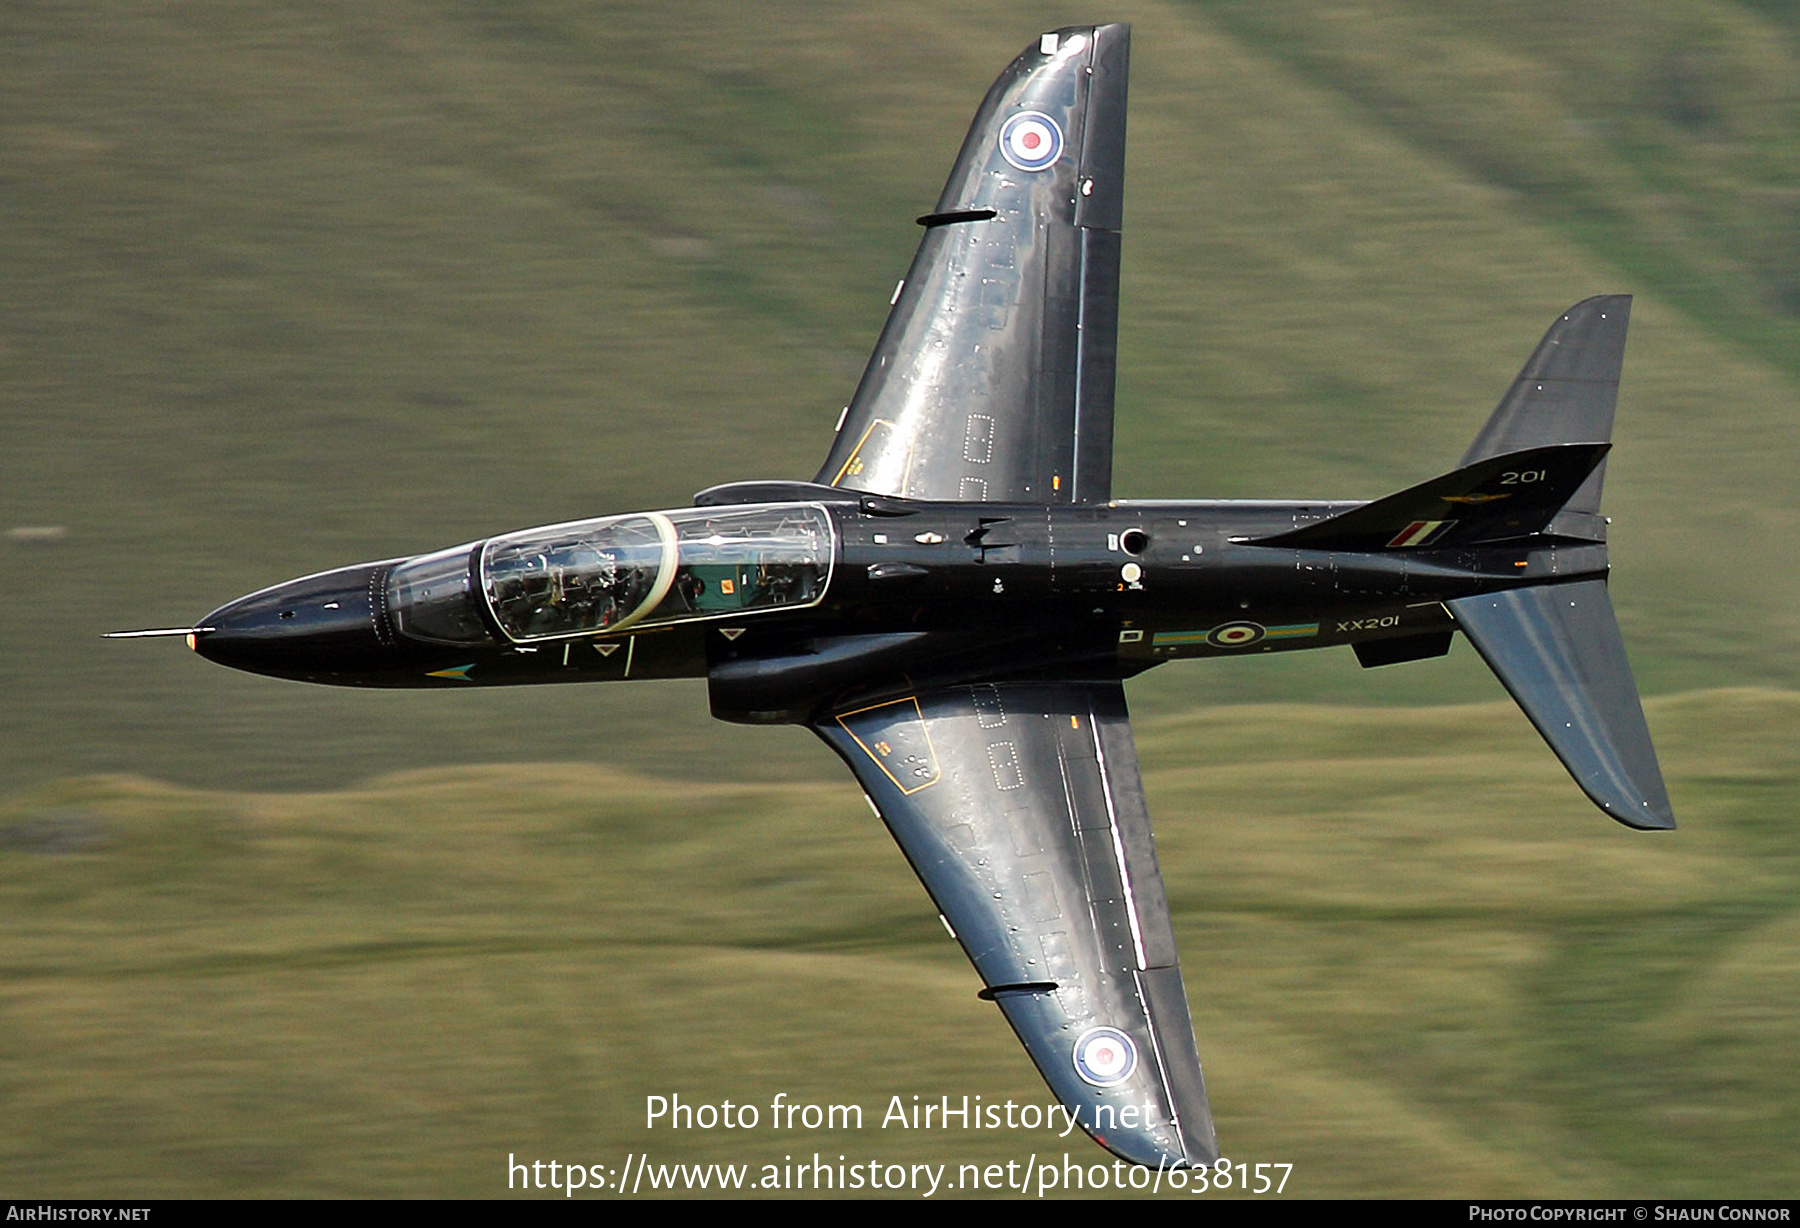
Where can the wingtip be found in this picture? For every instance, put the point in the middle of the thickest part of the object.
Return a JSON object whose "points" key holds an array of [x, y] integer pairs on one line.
{"points": [[1147, 1150], [1635, 810], [1649, 820], [1597, 299]]}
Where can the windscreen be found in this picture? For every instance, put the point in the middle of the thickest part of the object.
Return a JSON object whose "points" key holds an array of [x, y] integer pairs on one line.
{"points": [[429, 598]]}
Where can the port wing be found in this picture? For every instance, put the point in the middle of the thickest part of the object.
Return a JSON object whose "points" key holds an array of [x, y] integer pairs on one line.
{"points": [[1020, 807], [993, 379]]}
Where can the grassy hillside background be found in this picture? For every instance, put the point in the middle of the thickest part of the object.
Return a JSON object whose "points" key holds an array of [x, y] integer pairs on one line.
{"points": [[1417, 964], [294, 285]]}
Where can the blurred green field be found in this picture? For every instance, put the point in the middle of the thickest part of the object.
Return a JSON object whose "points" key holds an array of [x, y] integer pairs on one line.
{"points": [[288, 286], [1420, 964]]}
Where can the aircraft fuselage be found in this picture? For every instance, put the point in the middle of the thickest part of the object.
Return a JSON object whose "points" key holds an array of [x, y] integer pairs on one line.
{"points": [[912, 591]]}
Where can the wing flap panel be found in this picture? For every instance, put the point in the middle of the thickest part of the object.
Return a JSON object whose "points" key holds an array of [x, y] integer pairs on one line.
{"points": [[1100, 189], [1124, 789], [1174, 1030]]}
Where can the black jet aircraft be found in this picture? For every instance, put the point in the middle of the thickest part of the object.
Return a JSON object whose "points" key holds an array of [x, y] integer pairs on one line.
{"points": [[954, 602]]}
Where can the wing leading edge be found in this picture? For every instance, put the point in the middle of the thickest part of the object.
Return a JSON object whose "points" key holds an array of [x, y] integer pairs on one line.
{"points": [[993, 378], [1021, 809]]}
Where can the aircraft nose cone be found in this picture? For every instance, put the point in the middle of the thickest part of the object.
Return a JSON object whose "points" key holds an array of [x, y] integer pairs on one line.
{"points": [[318, 627]]}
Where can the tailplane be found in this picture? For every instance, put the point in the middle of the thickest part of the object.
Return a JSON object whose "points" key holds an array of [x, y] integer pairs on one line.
{"points": [[1558, 650], [1533, 477]]}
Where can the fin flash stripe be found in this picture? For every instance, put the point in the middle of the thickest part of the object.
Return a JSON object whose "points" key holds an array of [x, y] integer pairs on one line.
{"points": [[1419, 532]]}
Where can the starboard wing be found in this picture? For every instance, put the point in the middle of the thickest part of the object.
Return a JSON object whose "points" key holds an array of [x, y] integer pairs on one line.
{"points": [[993, 378], [1021, 809]]}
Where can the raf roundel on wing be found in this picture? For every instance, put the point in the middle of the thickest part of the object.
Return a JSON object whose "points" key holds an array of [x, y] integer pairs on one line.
{"points": [[1105, 1057], [1031, 141]]}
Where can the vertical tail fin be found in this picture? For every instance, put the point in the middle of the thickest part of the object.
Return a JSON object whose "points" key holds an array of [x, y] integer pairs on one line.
{"points": [[1565, 393]]}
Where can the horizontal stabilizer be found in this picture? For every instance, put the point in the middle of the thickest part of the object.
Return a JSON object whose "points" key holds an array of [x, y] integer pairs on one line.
{"points": [[1557, 649], [1492, 500]]}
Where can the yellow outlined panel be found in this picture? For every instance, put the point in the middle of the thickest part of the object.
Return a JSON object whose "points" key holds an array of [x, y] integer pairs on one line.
{"points": [[898, 742], [880, 441]]}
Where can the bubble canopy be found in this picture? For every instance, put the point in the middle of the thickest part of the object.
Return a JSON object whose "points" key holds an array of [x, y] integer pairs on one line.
{"points": [[598, 577]]}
